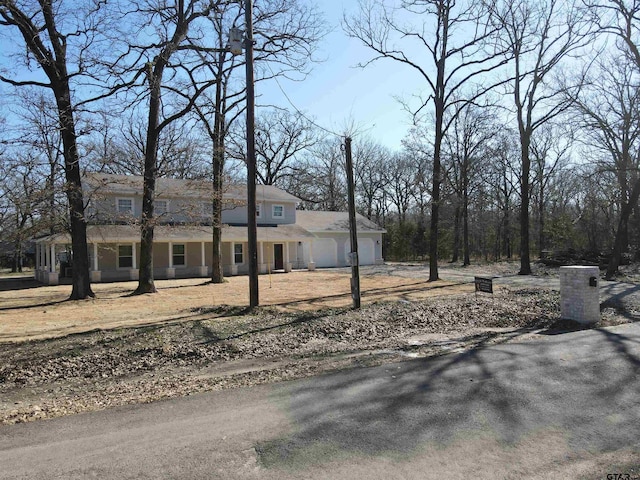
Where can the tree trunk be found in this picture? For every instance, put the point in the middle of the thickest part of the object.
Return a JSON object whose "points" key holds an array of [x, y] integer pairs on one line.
{"points": [[146, 282], [525, 260], [621, 233], [217, 272], [456, 234], [541, 236], [81, 281], [465, 225]]}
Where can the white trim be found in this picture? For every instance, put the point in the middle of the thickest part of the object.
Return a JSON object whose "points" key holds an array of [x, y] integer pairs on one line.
{"points": [[166, 208], [118, 267], [133, 205], [241, 253], [273, 210], [178, 265]]}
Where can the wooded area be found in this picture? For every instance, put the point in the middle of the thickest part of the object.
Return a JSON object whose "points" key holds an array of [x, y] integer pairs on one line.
{"points": [[526, 139]]}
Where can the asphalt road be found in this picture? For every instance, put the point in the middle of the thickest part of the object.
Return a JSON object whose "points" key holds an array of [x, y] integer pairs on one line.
{"points": [[562, 406]]}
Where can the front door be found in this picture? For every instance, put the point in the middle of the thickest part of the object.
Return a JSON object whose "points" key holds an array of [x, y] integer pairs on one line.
{"points": [[278, 256]]}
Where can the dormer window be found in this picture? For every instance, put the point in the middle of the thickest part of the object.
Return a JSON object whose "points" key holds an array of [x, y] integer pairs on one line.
{"points": [[125, 205], [277, 211]]}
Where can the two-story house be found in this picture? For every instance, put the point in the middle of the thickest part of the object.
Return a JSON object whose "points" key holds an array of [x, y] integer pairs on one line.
{"points": [[183, 247]]}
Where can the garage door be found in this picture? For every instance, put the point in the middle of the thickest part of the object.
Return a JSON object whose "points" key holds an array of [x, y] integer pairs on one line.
{"points": [[366, 251], [325, 252]]}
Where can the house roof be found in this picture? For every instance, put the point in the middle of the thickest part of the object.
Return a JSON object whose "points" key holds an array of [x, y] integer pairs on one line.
{"points": [[166, 233], [172, 187], [333, 222]]}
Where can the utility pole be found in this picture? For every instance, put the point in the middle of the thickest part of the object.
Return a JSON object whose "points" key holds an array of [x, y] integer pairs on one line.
{"points": [[353, 256], [252, 226]]}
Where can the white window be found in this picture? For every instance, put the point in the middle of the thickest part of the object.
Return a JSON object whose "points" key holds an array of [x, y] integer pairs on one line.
{"points": [[125, 256], [237, 253], [277, 211], [125, 205], [179, 254], [258, 210], [161, 207]]}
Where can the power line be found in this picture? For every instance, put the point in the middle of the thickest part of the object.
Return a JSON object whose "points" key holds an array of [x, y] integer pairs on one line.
{"points": [[298, 111]]}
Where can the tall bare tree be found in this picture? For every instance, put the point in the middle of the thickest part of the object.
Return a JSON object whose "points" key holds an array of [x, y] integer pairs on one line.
{"points": [[58, 38], [451, 38], [161, 65], [539, 36], [621, 20]]}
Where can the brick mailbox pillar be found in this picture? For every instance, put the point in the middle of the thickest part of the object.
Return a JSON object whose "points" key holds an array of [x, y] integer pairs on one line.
{"points": [[579, 293]]}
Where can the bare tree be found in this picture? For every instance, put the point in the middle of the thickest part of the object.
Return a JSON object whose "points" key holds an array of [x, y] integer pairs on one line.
{"points": [[453, 35], [609, 112], [286, 33], [59, 39], [280, 137], [621, 19], [549, 151], [539, 36], [369, 163], [161, 63], [471, 132]]}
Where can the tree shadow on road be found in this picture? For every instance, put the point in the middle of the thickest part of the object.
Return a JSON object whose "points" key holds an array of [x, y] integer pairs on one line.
{"points": [[510, 391]]}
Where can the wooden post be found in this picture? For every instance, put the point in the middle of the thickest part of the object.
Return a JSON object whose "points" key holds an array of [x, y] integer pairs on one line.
{"points": [[353, 256]]}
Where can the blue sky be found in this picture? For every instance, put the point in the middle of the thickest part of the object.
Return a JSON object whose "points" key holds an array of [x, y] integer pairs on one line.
{"points": [[337, 93]]}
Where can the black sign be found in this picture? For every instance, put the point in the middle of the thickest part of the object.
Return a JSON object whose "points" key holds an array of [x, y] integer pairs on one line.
{"points": [[484, 284]]}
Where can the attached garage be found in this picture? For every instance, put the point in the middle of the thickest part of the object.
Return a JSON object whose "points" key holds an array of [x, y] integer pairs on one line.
{"points": [[325, 252], [331, 244], [366, 251]]}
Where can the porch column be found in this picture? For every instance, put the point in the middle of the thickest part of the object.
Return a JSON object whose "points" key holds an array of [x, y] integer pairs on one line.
{"points": [[234, 267], [53, 258], [52, 275], [96, 274], [45, 256], [287, 264], [95, 257], [171, 272], [133, 250], [134, 273], [262, 267], [37, 270], [312, 264], [204, 270]]}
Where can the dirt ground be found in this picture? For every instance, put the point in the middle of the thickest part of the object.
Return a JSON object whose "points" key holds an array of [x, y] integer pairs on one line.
{"points": [[59, 357], [43, 312]]}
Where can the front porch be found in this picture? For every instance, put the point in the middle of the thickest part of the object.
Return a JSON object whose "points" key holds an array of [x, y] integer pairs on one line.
{"points": [[177, 253]]}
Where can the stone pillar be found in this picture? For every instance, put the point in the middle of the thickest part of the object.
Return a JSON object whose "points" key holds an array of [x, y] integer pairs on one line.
{"points": [[579, 293]]}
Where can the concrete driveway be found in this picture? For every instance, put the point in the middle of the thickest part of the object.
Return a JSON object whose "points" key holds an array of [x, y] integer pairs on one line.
{"points": [[563, 406]]}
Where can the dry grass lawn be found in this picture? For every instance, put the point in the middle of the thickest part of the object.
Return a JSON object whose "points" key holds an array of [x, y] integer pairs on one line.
{"points": [[44, 312]]}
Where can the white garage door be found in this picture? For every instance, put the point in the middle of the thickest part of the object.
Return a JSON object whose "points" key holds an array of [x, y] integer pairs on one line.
{"points": [[366, 251], [325, 252]]}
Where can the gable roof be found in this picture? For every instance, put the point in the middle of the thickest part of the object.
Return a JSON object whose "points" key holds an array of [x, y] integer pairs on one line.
{"points": [[173, 187], [333, 222]]}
